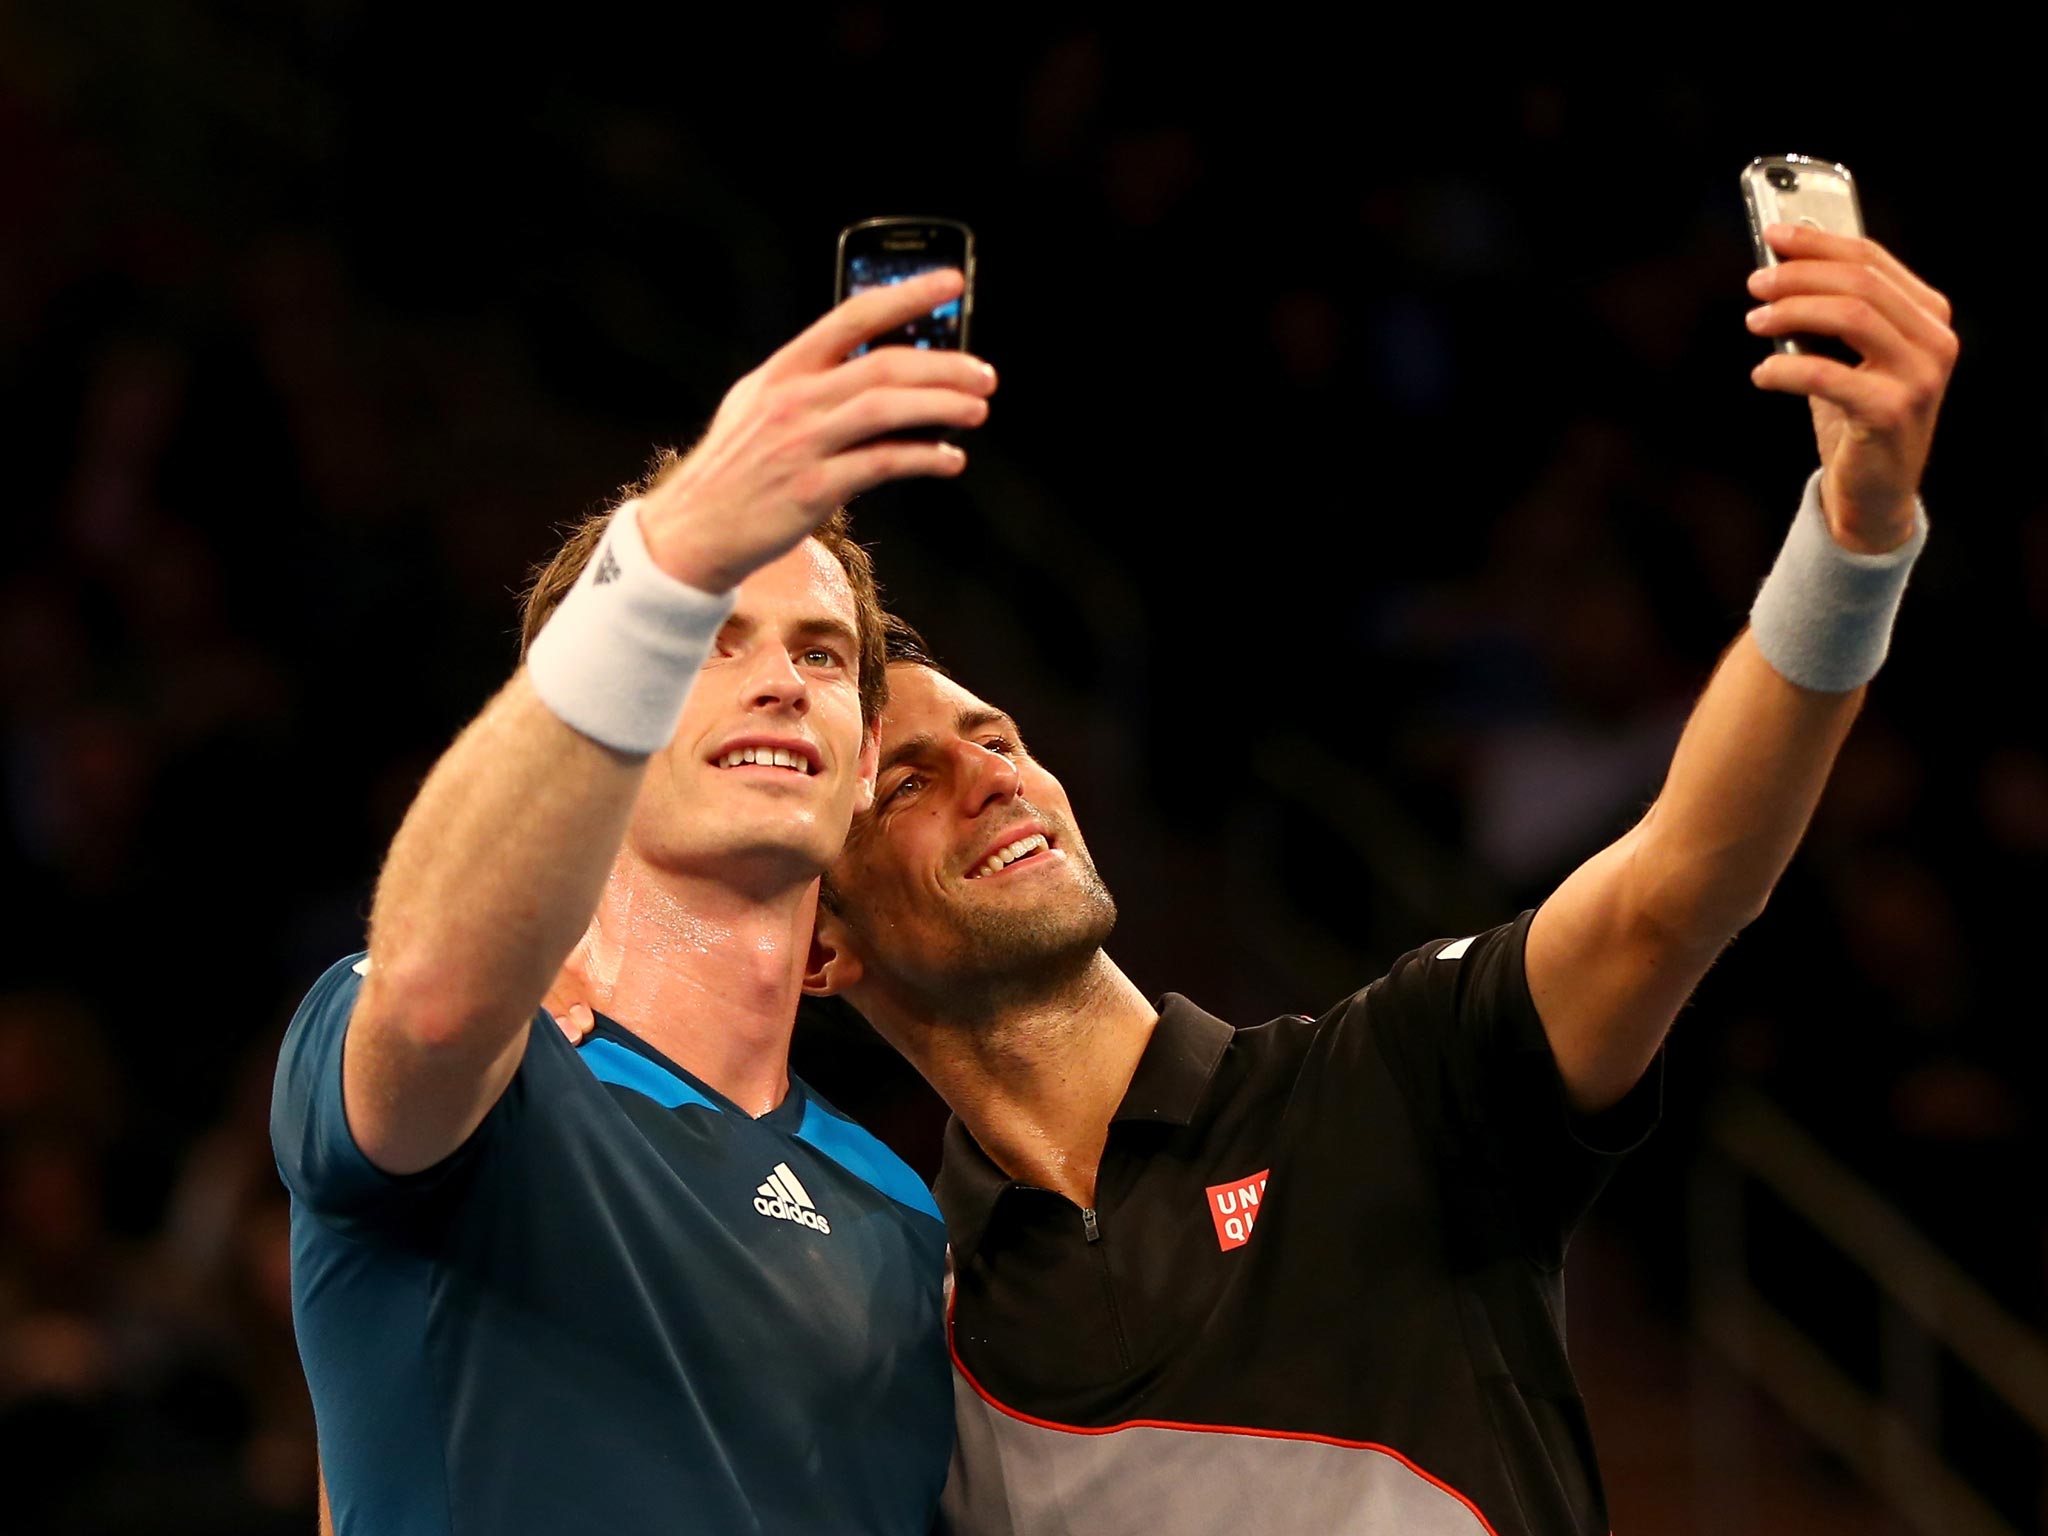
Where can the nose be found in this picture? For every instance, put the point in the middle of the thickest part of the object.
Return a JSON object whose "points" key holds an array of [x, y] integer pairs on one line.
{"points": [[986, 778], [772, 681]]}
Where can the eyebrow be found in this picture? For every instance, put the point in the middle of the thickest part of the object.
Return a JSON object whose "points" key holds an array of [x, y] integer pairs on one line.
{"points": [[830, 629], [966, 723], [805, 629]]}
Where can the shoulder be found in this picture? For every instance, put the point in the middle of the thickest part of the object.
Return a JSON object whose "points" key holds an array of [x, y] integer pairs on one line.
{"points": [[312, 1041], [1447, 978], [862, 1154], [315, 1148], [1442, 1011]]}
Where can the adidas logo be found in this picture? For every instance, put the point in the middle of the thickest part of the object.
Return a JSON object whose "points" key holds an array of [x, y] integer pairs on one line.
{"points": [[785, 1198]]}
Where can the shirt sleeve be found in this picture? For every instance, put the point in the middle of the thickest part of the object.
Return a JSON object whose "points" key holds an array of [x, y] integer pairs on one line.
{"points": [[316, 1152], [1458, 1030]]}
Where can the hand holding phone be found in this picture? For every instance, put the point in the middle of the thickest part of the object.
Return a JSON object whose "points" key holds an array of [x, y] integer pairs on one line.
{"points": [[879, 253], [1813, 194], [1875, 402], [808, 431]]}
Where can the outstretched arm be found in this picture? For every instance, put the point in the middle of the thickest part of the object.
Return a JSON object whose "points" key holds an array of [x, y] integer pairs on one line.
{"points": [[1617, 949], [499, 864]]}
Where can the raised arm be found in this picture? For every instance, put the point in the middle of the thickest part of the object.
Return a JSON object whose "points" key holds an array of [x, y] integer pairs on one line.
{"points": [[498, 866], [1617, 949]]}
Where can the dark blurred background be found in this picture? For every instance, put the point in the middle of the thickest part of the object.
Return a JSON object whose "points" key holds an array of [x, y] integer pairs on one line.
{"points": [[1374, 481]]}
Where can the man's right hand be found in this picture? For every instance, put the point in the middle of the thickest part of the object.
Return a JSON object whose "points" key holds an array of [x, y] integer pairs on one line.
{"points": [[795, 439]]}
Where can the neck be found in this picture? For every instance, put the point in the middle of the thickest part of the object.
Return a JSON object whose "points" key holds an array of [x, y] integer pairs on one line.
{"points": [[706, 974], [1036, 1080]]}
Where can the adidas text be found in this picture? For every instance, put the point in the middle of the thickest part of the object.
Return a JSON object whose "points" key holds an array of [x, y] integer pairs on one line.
{"points": [[782, 1210]]}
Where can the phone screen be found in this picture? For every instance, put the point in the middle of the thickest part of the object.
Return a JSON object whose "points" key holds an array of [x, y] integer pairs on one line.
{"points": [[888, 251], [940, 328]]}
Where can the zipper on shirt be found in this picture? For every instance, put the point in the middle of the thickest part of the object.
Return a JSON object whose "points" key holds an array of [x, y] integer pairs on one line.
{"points": [[1091, 1228]]}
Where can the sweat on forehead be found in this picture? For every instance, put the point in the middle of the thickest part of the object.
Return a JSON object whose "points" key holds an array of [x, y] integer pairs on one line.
{"points": [[924, 704], [828, 606]]}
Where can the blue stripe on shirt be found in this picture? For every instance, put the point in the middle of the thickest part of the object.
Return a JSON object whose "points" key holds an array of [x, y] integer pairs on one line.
{"points": [[613, 1063], [866, 1158]]}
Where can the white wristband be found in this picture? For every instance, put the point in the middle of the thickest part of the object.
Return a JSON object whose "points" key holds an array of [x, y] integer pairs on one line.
{"points": [[1823, 617], [616, 659]]}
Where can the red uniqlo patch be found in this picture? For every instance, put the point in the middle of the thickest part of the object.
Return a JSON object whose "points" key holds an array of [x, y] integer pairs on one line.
{"points": [[1235, 1206]]}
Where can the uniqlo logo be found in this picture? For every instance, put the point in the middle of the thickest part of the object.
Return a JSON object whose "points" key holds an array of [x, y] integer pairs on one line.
{"points": [[1235, 1206]]}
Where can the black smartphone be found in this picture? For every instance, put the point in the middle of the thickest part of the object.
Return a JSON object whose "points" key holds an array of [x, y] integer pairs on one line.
{"points": [[877, 252], [1798, 189]]}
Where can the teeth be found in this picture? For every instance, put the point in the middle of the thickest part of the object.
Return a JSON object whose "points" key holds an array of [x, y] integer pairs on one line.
{"points": [[1003, 857], [767, 757]]}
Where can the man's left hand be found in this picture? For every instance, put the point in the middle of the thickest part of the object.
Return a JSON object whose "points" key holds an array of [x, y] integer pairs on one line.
{"points": [[1874, 422]]}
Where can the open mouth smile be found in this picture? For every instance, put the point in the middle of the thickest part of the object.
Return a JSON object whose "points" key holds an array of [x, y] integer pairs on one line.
{"points": [[797, 760], [1034, 847]]}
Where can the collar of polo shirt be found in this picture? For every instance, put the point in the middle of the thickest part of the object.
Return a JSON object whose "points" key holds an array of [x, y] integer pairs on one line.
{"points": [[1173, 1075]]}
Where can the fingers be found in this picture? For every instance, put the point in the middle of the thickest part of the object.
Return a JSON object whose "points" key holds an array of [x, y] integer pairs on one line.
{"points": [[1852, 288], [1798, 242], [875, 411], [1854, 320], [1874, 398], [864, 317], [907, 367], [1871, 285], [862, 469]]}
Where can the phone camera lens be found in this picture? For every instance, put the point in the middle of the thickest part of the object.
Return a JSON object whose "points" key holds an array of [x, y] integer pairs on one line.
{"points": [[1784, 178]]}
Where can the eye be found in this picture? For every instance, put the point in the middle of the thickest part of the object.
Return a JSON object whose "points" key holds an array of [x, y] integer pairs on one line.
{"points": [[910, 783], [821, 656], [1002, 746]]}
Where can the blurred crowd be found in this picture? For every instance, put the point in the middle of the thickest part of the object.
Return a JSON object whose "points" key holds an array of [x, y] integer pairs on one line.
{"points": [[1356, 582]]}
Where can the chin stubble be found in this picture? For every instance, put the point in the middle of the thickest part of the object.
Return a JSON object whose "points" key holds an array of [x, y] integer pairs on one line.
{"points": [[1008, 955]]}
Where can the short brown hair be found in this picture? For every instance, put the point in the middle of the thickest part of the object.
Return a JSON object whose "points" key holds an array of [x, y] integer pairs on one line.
{"points": [[553, 578]]}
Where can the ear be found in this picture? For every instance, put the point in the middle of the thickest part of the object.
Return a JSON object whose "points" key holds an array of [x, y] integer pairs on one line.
{"points": [[833, 965], [870, 761]]}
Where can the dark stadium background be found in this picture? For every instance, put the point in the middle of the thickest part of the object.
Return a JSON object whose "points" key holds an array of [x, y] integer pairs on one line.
{"points": [[1374, 479]]}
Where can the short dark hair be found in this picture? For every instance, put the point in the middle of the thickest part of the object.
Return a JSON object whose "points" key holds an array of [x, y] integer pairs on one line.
{"points": [[553, 578], [902, 643]]}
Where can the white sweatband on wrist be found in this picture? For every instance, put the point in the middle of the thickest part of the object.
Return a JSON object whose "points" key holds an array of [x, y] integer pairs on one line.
{"points": [[617, 658], [1823, 617]]}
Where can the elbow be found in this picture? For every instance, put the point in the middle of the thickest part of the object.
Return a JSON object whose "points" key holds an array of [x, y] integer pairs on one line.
{"points": [[1685, 898], [424, 1006]]}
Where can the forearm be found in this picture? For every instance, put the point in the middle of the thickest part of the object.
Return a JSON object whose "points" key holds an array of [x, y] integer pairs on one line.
{"points": [[1617, 949], [1749, 770], [492, 878], [494, 874]]}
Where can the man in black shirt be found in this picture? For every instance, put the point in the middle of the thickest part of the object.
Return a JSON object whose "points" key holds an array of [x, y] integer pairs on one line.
{"points": [[1306, 1276]]}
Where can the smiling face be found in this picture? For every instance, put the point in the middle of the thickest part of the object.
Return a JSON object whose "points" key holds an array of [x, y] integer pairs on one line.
{"points": [[770, 761], [969, 877]]}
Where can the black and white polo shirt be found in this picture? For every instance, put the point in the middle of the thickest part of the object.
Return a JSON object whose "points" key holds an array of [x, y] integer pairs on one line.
{"points": [[1321, 1289]]}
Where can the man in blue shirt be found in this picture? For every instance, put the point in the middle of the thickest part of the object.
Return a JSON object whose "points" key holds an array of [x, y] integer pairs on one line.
{"points": [[657, 1284]]}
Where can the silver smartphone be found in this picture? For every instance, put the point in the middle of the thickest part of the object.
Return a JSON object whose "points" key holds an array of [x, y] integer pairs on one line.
{"points": [[1797, 189]]}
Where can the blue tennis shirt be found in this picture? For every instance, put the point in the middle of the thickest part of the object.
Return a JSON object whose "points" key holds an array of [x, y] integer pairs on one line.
{"points": [[623, 1305]]}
